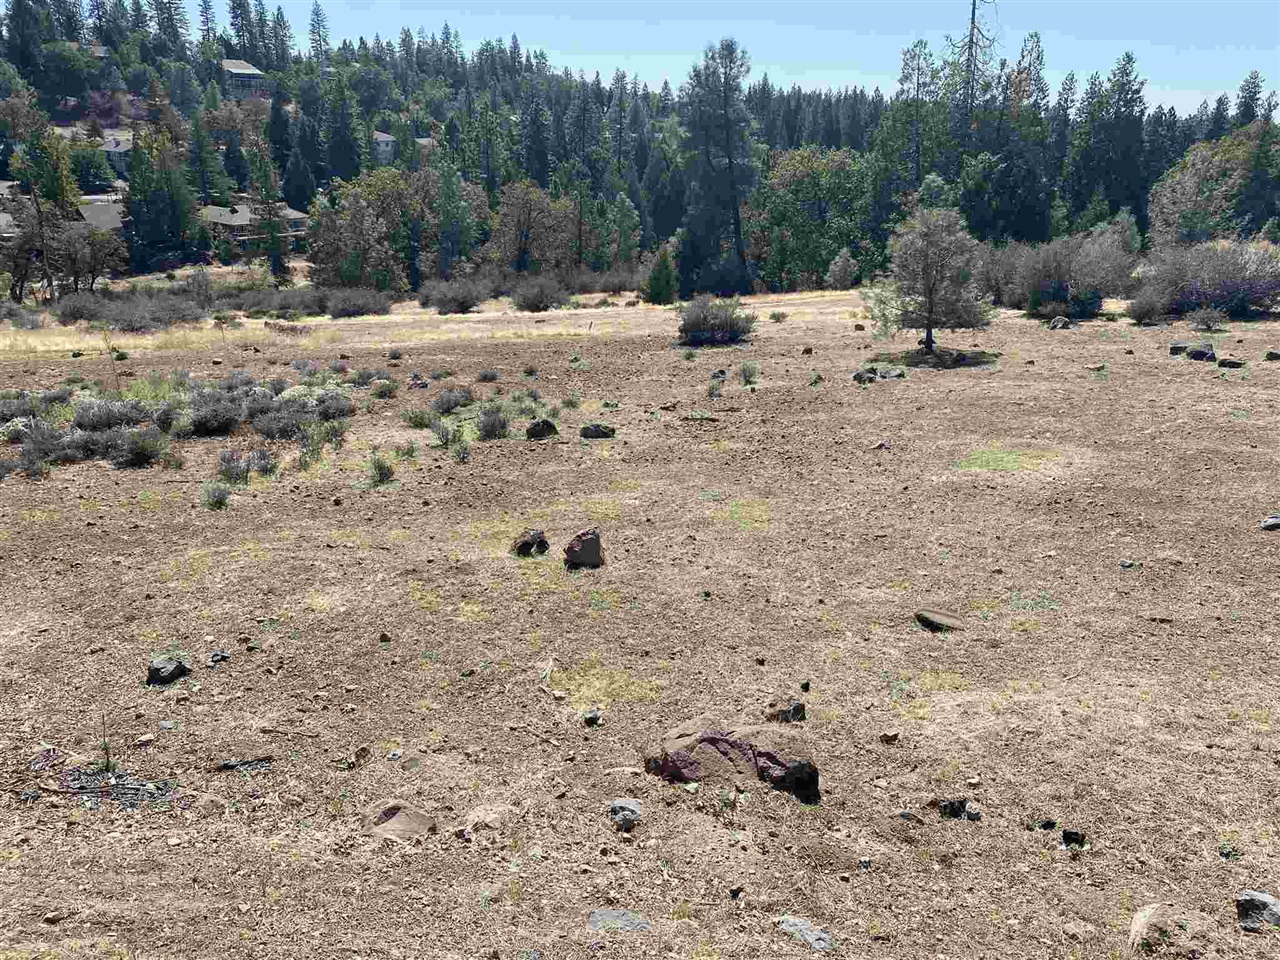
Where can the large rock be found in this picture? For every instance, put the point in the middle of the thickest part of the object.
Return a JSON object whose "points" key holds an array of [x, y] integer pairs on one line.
{"points": [[397, 820], [626, 921], [1271, 355], [541, 429], [625, 813], [1162, 930], [584, 550], [1060, 323], [596, 431], [530, 542], [1272, 522], [1178, 348], [1230, 363], [1202, 351], [490, 816], [163, 671], [785, 711], [707, 748], [1257, 910], [804, 931]]}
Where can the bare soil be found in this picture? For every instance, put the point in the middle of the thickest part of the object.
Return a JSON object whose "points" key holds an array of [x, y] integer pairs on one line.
{"points": [[753, 542]]}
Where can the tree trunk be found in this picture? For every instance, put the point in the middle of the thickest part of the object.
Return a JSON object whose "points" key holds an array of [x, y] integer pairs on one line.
{"points": [[928, 339]]}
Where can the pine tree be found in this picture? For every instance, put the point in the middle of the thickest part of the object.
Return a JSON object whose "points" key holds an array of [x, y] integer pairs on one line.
{"points": [[1219, 119], [208, 21], [204, 167], [1126, 183], [98, 18], [138, 16], [299, 187], [919, 83], [972, 54], [319, 33], [281, 39], [535, 154], [1249, 100], [235, 164], [344, 145], [23, 39], [616, 120], [278, 131]]}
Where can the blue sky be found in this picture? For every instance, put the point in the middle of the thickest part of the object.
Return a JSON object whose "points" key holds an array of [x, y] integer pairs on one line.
{"points": [[1187, 51]]}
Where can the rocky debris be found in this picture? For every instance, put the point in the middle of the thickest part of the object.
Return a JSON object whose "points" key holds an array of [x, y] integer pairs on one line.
{"points": [[720, 374], [362, 755], [541, 429], [1073, 840], [618, 920], [592, 717], [584, 550], [910, 816], [1272, 522], [801, 929], [490, 816], [166, 670], [530, 542], [1060, 323], [1228, 851], [216, 657], [1161, 929], [1230, 363], [1201, 351], [245, 766], [391, 819], [1178, 348], [1256, 910], [625, 813], [1271, 355], [873, 373], [94, 784], [939, 620], [859, 327], [890, 737], [707, 748], [958, 809], [1096, 367], [596, 431], [784, 711], [807, 352]]}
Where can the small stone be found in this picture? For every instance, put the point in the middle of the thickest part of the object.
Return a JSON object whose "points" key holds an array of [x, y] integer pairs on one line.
{"points": [[384, 637], [1060, 323], [1271, 355], [1256, 910], [1202, 352], [530, 542], [953, 809], [735, 893], [864, 863], [624, 921], [394, 755], [584, 550], [1073, 839], [939, 620], [216, 657], [592, 717], [720, 374], [1230, 363], [890, 737], [814, 938], [785, 711], [1272, 522], [804, 686], [146, 740], [168, 724], [859, 327], [596, 431], [1127, 564], [96, 648], [910, 816], [165, 670], [541, 429], [807, 352], [625, 813], [216, 361], [1178, 347]]}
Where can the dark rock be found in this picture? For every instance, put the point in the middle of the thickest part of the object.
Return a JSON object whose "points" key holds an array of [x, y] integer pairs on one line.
{"points": [[1228, 852], [1271, 355], [721, 374], [1128, 352], [807, 352], [541, 429], [625, 813], [1178, 347], [584, 550], [625, 921], [1060, 323], [216, 657], [804, 686], [1073, 839], [596, 431], [1256, 909], [734, 892], [165, 670], [530, 542], [800, 929], [1047, 825], [1272, 522], [890, 737], [873, 373], [1230, 363], [1127, 564], [953, 809], [785, 711], [592, 717], [168, 724], [707, 748], [939, 620], [859, 327], [864, 863], [1201, 351], [910, 816]]}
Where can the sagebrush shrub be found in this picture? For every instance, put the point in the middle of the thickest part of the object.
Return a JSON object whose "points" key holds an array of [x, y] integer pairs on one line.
{"points": [[1234, 277], [1207, 319], [107, 414], [233, 468], [493, 424], [707, 321], [381, 470], [358, 303], [451, 399], [749, 372], [418, 419], [539, 294], [213, 414], [842, 271], [215, 496], [384, 389], [452, 296]]}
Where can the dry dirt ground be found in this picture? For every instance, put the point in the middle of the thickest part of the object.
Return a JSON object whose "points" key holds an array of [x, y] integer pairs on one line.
{"points": [[772, 543]]}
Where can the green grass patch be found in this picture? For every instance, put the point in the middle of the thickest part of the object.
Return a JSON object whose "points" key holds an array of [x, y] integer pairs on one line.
{"points": [[1001, 460]]}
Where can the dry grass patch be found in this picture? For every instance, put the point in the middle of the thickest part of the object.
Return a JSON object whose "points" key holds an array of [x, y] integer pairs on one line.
{"points": [[1002, 460], [592, 684], [747, 514]]}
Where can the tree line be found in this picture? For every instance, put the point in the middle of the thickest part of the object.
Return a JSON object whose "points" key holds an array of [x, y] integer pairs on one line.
{"points": [[499, 155]]}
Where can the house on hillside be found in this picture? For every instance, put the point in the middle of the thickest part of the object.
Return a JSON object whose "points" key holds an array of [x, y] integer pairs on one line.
{"points": [[103, 216], [95, 50], [384, 148], [244, 81], [117, 151], [240, 225]]}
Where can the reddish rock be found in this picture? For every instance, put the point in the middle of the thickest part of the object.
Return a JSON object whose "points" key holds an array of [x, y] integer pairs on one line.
{"points": [[707, 748], [584, 550]]}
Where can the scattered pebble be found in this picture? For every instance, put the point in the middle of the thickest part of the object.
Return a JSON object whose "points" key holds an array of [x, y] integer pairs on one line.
{"points": [[592, 717]]}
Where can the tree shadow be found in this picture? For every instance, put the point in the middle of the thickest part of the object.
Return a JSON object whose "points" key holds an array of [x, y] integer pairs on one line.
{"points": [[942, 358]]}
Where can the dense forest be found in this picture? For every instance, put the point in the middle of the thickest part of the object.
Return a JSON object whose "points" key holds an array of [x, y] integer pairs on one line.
{"points": [[497, 157]]}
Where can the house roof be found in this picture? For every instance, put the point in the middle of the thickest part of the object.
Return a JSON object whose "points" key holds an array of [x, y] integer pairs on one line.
{"points": [[383, 137], [7, 224], [229, 216], [102, 216], [427, 143], [241, 66], [116, 145]]}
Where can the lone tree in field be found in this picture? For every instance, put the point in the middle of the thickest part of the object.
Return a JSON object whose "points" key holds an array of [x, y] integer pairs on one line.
{"points": [[932, 257]]}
